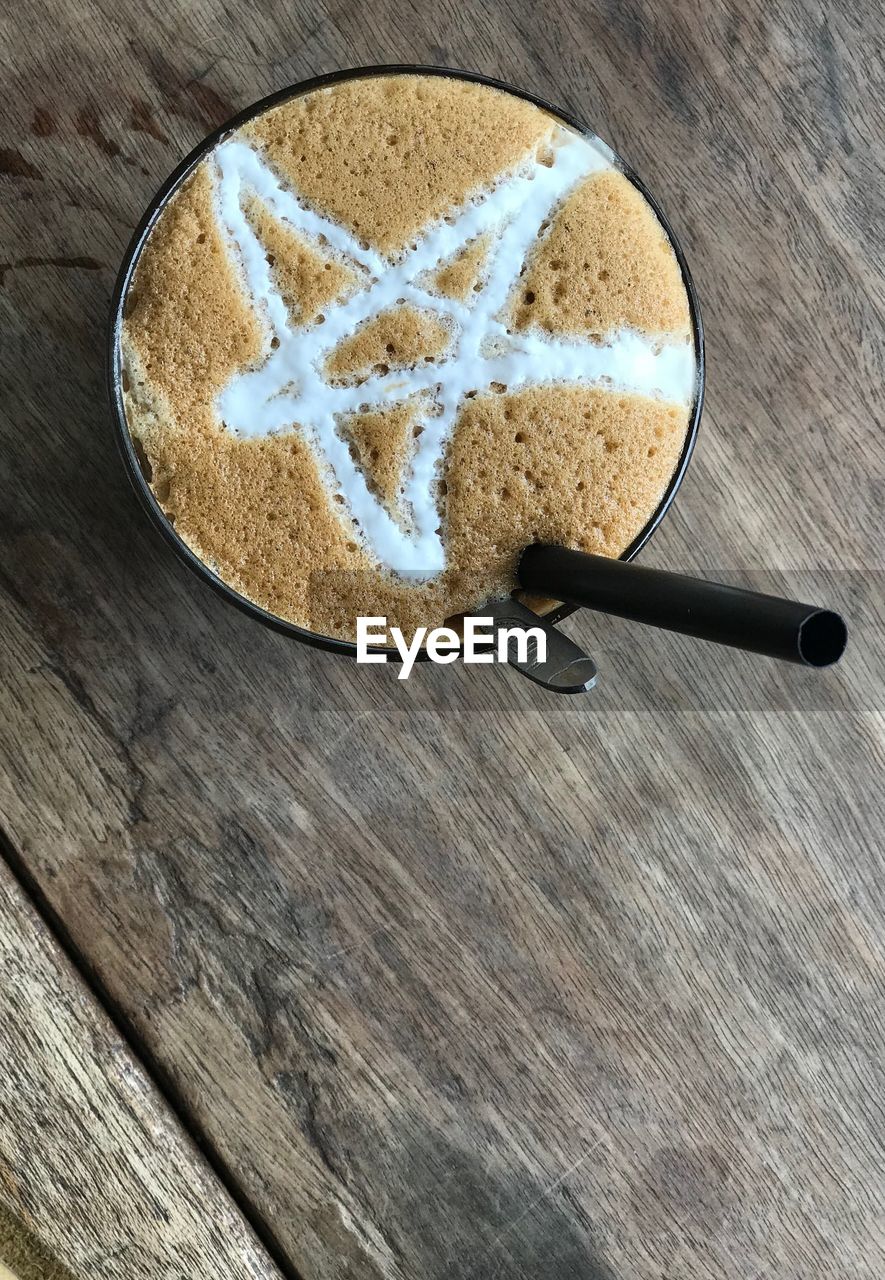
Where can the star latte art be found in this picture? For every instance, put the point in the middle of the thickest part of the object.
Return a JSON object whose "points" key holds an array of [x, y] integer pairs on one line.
{"points": [[291, 388], [555, 346]]}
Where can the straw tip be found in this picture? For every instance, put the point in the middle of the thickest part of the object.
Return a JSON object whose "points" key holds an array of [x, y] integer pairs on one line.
{"points": [[822, 638]]}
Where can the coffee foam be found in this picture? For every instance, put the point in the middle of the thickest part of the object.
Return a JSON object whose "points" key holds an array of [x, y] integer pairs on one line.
{"points": [[460, 275], [485, 351], [547, 447]]}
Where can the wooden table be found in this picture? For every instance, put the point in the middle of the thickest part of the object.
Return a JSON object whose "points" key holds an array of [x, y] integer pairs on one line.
{"points": [[447, 977]]}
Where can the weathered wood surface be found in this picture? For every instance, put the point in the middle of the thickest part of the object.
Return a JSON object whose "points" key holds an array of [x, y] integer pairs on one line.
{"points": [[460, 980], [97, 1181]]}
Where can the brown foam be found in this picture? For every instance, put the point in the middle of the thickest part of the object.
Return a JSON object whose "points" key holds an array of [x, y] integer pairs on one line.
{"points": [[605, 263], [385, 155], [187, 318], [581, 466], [396, 339], [382, 441], [570, 464], [258, 512], [457, 277], [306, 279]]}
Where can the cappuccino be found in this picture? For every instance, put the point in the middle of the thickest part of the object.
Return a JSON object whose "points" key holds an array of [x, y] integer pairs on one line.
{"points": [[390, 332]]}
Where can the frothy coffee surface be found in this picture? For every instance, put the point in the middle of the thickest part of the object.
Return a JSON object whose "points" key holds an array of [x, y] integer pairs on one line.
{"points": [[392, 331]]}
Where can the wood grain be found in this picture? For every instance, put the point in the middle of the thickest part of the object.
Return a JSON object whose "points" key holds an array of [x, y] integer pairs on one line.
{"points": [[459, 980], [96, 1180]]}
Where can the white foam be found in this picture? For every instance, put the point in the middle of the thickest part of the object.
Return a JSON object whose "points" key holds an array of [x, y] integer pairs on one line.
{"points": [[290, 388]]}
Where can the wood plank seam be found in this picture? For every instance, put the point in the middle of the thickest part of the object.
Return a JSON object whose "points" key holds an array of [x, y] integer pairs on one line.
{"points": [[158, 1076]]}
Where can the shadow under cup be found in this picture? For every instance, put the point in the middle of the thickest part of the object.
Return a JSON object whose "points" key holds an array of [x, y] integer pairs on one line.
{"points": [[135, 466]]}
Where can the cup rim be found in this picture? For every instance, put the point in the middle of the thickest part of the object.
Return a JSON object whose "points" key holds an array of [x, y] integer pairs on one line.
{"points": [[164, 194]]}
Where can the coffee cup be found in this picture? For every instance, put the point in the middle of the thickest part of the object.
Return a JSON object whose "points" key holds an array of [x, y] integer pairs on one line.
{"points": [[137, 460]]}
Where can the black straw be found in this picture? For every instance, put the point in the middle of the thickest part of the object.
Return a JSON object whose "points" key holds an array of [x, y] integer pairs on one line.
{"points": [[784, 629]]}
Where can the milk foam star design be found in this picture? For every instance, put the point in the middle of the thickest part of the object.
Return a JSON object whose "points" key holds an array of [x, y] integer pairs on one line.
{"points": [[289, 390]]}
